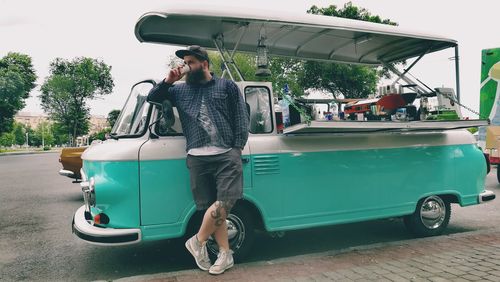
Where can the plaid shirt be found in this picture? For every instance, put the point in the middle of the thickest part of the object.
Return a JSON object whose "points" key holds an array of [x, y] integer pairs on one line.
{"points": [[226, 109]]}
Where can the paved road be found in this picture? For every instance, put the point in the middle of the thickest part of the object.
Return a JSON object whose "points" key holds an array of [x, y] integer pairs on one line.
{"points": [[36, 243], [459, 257]]}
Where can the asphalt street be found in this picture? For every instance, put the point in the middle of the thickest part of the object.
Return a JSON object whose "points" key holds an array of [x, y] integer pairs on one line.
{"points": [[36, 243]]}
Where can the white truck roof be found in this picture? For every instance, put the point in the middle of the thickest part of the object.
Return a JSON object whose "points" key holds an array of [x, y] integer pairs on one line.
{"points": [[302, 36]]}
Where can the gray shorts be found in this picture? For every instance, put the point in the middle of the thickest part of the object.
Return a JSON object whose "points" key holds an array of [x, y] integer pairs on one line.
{"points": [[216, 178]]}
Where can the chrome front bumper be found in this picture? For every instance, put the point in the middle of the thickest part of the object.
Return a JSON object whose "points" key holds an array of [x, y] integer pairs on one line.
{"points": [[486, 196], [67, 173], [85, 229]]}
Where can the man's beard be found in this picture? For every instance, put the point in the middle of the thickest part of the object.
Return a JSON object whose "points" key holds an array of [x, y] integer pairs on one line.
{"points": [[195, 76]]}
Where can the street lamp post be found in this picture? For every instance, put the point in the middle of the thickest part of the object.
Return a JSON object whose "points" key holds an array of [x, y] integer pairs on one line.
{"points": [[43, 141]]}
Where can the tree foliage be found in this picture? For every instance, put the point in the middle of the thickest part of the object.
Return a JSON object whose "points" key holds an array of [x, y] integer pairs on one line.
{"points": [[361, 79], [19, 132], [112, 117], [350, 81], [245, 63], [287, 72], [17, 79], [70, 85], [349, 11], [283, 70], [101, 135], [42, 135]]}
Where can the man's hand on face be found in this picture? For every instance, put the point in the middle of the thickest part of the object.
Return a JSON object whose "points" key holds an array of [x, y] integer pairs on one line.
{"points": [[174, 75]]}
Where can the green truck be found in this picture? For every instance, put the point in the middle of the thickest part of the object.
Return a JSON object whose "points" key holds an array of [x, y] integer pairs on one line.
{"points": [[489, 136]]}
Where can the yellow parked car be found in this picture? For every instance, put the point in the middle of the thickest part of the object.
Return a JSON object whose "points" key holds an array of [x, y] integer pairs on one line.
{"points": [[71, 160]]}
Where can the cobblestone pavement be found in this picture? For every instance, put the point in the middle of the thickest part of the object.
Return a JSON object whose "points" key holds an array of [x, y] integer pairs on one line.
{"points": [[470, 256]]}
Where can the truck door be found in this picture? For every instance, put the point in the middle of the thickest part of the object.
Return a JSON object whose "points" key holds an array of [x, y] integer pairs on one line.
{"points": [[164, 177], [265, 172]]}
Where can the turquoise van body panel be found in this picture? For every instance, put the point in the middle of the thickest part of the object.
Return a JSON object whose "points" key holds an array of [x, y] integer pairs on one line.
{"points": [[294, 190], [116, 191], [471, 171], [165, 191], [322, 188], [161, 181]]}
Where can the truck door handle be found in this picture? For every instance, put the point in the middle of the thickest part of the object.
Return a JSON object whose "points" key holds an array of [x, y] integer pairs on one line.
{"points": [[245, 160]]}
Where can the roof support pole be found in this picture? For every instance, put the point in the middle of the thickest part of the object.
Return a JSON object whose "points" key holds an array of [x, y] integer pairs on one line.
{"points": [[223, 52], [404, 77], [457, 73], [243, 31], [411, 66], [226, 67]]}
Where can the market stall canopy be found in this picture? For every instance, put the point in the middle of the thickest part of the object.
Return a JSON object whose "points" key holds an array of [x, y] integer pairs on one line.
{"points": [[303, 36], [378, 126]]}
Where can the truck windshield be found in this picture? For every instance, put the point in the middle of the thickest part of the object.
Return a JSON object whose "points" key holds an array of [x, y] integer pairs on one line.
{"points": [[133, 117]]}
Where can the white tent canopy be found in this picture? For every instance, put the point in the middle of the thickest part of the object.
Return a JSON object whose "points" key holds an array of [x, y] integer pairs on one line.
{"points": [[303, 36]]}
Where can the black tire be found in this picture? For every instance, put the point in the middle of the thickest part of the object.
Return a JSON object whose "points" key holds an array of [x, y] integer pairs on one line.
{"points": [[498, 173], [241, 221], [430, 218], [488, 165]]}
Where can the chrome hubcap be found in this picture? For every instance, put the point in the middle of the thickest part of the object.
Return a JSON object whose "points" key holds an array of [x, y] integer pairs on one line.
{"points": [[433, 212], [236, 234]]}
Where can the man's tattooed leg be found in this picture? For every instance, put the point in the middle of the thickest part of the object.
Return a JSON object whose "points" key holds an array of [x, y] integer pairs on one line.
{"points": [[222, 209], [217, 214]]}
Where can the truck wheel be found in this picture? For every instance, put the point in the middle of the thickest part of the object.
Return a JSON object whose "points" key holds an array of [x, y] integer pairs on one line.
{"points": [[498, 173], [241, 233], [430, 218], [488, 165]]}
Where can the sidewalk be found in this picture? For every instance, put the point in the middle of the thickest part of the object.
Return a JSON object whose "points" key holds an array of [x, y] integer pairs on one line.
{"points": [[469, 256]]}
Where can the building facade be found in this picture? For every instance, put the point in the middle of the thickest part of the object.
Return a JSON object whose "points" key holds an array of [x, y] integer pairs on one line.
{"points": [[97, 122]]}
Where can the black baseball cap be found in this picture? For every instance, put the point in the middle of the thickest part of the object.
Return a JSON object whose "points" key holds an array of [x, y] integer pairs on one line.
{"points": [[193, 50]]}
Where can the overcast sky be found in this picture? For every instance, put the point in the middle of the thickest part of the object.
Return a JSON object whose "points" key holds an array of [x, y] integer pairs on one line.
{"points": [[105, 30]]}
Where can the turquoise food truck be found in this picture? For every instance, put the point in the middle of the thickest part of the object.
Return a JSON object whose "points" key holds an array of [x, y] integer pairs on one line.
{"points": [[311, 173]]}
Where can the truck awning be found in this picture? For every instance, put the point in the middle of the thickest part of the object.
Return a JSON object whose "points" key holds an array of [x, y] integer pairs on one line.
{"points": [[316, 127], [301, 36]]}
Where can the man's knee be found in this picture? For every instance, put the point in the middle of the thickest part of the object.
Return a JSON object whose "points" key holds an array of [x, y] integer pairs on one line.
{"points": [[221, 211]]}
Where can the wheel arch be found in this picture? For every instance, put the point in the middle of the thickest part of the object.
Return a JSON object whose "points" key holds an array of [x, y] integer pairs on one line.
{"points": [[452, 197], [194, 216]]}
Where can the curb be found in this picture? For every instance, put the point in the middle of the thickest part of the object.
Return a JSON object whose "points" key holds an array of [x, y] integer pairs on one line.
{"points": [[172, 275], [28, 153]]}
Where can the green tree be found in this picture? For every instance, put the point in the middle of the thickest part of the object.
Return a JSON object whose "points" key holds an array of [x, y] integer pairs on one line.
{"points": [[283, 70], [101, 135], [17, 79], [60, 134], [70, 85], [7, 139], [31, 135], [349, 11], [245, 62], [351, 81], [43, 135], [112, 117], [19, 132], [286, 71]]}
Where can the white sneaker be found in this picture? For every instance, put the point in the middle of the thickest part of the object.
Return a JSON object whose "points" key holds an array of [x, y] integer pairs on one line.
{"points": [[224, 262], [199, 252]]}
